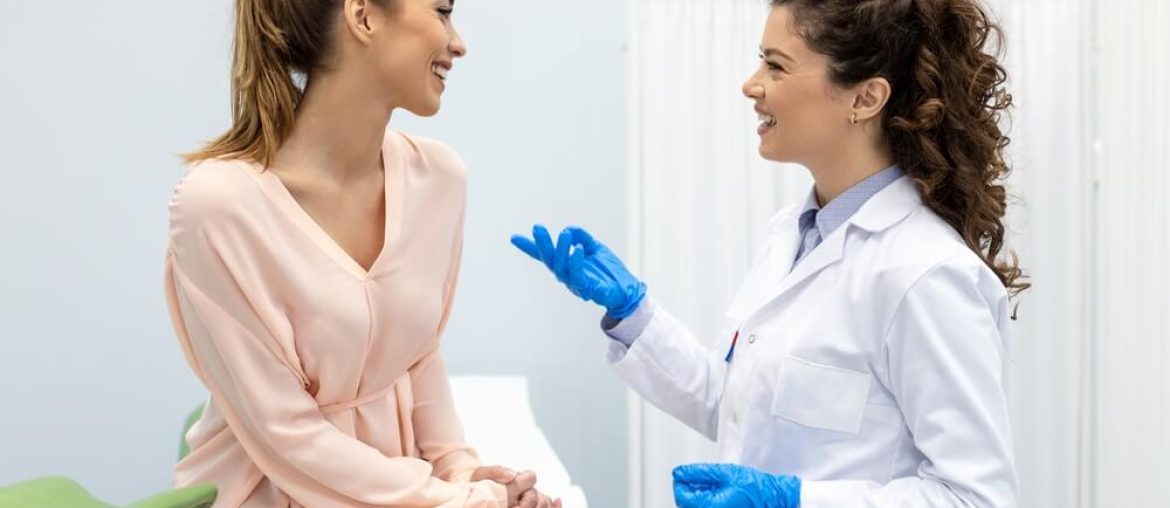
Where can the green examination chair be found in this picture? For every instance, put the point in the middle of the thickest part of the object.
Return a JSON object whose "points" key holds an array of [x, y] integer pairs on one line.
{"points": [[191, 419], [61, 492]]}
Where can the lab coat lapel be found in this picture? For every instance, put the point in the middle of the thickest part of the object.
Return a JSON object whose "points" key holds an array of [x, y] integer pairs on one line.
{"points": [[883, 210], [827, 253], [777, 275], [782, 242]]}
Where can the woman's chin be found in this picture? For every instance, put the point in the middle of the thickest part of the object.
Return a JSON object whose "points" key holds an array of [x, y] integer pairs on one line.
{"points": [[427, 108], [769, 151]]}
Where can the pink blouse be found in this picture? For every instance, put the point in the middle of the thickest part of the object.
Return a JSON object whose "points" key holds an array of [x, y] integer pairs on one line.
{"points": [[326, 384]]}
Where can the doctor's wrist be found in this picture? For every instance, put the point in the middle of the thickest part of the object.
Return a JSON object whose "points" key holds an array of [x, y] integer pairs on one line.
{"points": [[628, 329]]}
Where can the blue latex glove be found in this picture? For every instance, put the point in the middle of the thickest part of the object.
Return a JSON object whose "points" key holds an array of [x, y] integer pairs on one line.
{"points": [[733, 486], [587, 267]]}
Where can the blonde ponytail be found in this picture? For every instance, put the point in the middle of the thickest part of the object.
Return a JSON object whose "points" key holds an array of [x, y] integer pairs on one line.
{"points": [[273, 39]]}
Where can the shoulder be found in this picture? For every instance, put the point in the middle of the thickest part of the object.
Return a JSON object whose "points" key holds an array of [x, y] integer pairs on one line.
{"points": [[925, 254], [924, 239], [213, 193], [433, 155]]}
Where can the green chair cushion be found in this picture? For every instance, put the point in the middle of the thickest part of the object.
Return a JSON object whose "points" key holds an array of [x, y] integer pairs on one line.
{"points": [[62, 492], [191, 419], [195, 496], [48, 492]]}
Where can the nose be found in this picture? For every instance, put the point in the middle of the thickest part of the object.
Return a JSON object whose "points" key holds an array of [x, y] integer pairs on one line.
{"points": [[752, 89], [456, 45]]}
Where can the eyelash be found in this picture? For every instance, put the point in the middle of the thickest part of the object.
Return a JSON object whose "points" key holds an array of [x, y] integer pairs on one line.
{"points": [[772, 66], [445, 12]]}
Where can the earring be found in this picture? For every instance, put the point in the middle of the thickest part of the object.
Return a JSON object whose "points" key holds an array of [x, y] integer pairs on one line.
{"points": [[853, 119]]}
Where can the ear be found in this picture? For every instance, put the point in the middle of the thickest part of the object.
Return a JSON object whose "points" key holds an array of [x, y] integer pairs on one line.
{"points": [[358, 19], [869, 97]]}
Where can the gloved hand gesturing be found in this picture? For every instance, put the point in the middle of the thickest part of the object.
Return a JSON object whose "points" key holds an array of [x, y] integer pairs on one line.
{"points": [[733, 486], [587, 267]]}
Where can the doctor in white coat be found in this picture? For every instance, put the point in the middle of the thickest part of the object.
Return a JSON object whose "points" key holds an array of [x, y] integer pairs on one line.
{"points": [[860, 364]]}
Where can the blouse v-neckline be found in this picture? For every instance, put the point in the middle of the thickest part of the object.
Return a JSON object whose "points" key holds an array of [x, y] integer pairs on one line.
{"points": [[394, 168]]}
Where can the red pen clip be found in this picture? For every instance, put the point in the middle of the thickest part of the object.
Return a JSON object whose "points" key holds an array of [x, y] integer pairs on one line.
{"points": [[731, 350]]}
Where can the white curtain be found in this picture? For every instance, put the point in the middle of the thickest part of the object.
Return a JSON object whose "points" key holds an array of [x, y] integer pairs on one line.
{"points": [[1130, 361], [1088, 381], [1087, 377], [1048, 55]]}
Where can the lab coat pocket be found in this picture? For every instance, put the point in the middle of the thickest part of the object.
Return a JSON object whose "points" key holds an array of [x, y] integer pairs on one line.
{"points": [[821, 396]]}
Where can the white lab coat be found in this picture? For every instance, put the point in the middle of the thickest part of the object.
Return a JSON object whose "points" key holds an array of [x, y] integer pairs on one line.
{"points": [[872, 370]]}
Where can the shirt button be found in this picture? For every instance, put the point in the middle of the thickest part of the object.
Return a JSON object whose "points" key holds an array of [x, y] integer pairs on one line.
{"points": [[752, 339]]}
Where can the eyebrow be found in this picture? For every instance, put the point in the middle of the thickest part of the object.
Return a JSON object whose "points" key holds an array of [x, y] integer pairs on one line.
{"points": [[775, 51]]}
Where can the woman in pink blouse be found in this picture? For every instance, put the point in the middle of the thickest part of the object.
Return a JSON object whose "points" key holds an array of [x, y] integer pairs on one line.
{"points": [[312, 264]]}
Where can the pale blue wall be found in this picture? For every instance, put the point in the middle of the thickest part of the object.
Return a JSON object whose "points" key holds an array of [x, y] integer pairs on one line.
{"points": [[96, 98]]}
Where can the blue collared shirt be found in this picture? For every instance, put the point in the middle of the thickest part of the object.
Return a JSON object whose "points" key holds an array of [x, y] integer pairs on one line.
{"points": [[827, 220], [839, 210]]}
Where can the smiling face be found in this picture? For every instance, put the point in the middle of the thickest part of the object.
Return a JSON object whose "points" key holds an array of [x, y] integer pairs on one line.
{"points": [[412, 52], [803, 115]]}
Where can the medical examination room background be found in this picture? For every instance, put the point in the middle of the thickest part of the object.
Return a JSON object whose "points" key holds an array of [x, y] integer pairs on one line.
{"points": [[621, 115]]}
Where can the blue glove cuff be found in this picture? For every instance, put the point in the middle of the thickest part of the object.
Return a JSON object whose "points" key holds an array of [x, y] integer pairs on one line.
{"points": [[631, 303]]}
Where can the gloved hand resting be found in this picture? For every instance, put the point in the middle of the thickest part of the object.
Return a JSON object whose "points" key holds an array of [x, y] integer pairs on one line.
{"points": [[733, 486]]}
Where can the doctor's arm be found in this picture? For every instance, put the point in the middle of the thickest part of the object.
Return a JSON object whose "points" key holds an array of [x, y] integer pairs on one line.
{"points": [[655, 354]]}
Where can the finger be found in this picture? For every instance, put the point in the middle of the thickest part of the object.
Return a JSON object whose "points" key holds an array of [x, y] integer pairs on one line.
{"points": [[527, 246], [582, 237], [529, 500], [544, 244], [609, 295], [691, 488], [686, 497], [577, 269], [578, 278], [577, 260], [525, 481], [561, 265], [697, 475], [594, 269], [498, 474], [544, 502], [557, 503]]}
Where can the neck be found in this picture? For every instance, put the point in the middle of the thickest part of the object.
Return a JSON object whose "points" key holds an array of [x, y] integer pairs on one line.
{"points": [[837, 172], [336, 133]]}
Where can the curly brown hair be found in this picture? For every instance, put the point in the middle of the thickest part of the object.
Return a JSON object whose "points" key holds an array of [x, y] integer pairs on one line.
{"points": [[942, 118]]}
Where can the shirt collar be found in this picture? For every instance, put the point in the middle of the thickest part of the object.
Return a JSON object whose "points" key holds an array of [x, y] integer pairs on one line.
{"points": [[841, 208]]}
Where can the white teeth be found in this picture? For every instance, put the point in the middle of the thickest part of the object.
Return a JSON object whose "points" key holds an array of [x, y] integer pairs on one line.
{"points": [[439, 71], [767, 119]]}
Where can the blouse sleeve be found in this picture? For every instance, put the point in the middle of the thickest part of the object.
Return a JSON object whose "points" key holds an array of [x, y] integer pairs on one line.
{"points": [[436, 422]]}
